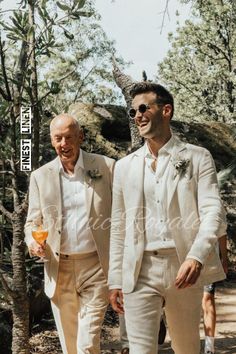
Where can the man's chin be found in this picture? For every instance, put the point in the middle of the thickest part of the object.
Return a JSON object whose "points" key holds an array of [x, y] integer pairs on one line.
{"points": [[145, 135], [65, 158]]}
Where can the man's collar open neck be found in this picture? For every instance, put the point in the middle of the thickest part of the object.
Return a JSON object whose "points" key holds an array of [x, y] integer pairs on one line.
{"points": [[70, 167], [156, 144]]}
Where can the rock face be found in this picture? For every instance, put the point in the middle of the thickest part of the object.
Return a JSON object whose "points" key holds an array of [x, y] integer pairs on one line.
{"points": [[106, 128]]}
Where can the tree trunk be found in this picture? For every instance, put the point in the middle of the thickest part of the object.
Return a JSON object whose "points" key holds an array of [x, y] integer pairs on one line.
{"points": [[125, 83], [20, 306], [34, 83]]}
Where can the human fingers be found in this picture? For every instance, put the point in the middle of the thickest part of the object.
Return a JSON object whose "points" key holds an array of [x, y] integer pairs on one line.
{"points": [[114, 295]]}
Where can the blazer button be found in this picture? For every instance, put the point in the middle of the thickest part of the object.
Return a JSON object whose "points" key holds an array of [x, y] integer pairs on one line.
{"points": [[59, 231], [155, 253], [57, 254]]}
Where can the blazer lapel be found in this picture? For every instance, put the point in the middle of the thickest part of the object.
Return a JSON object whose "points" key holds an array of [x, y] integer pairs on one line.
{"points": [[137, 167], [56, 190], [89, 182], [173, 179]]}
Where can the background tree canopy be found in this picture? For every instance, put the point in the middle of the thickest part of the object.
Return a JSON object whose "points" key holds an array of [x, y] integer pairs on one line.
{"points": [[200, 67]]}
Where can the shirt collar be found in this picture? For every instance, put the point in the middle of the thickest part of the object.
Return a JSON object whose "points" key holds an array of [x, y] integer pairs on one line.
{"points": [[167, 148], [79, 163]]}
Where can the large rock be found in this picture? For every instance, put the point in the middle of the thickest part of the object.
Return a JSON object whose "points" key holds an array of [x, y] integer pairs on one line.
{"points": [[106, 128]]}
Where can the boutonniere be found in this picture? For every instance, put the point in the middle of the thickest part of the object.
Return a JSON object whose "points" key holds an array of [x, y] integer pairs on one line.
{"points": [[181, 166], [94, 174]]}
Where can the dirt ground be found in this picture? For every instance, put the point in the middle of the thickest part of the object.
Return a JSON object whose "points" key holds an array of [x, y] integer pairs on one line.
{"points": [[46, 342]]}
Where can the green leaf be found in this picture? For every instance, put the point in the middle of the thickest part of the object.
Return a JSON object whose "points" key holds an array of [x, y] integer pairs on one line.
{"points": [[69, 35], [55, 87], [63, 6], [16, 23], [8, 28], [43, 3], [54, 109], [80, 3], [42, 15], [12, 37], [30, 31], [78, 14]]}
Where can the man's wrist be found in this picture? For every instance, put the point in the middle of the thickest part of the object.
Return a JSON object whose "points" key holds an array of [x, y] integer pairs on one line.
{"points": [[114, 287], [195, 258]]}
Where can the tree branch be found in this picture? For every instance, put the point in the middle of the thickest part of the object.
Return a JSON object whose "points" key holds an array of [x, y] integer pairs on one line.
{"points": [[49, 92], [82, 82], [216, 48], [8, 92], [15, 189], [5, 211], [9, 293], [166, 12], [4, 95], [210, 45], [191, 91], [3, 172]]}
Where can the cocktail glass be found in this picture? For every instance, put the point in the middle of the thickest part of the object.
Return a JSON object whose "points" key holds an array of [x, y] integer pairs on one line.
{"points": [[40, 234]]}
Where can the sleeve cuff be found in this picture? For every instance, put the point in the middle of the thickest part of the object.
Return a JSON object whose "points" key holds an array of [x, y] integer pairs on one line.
{"points": [[112, 287], [189, 256]]}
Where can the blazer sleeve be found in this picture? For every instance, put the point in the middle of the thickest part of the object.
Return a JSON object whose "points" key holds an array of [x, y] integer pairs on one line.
{"points": [[210, 208], [117, 231], [34, 210]]}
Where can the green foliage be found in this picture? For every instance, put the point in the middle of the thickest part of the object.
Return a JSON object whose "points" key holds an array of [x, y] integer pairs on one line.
{"points": [[71, 50], [19, 27], [200, 66], [73, 55]]}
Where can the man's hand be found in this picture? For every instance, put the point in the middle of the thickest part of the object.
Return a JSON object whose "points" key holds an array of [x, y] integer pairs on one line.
{"points": [[116, 300], [188, 273], [35, 249]]}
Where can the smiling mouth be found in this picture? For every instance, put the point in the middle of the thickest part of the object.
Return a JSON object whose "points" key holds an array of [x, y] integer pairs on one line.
{"points": [[65, 152], [143, 124]]}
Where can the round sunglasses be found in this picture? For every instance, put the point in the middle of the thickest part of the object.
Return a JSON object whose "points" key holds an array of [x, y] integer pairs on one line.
{"points": [[141, 108]]}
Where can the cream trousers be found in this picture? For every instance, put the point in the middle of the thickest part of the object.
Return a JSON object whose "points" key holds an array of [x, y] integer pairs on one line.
{"points": [[79, 303], [143, 307]]}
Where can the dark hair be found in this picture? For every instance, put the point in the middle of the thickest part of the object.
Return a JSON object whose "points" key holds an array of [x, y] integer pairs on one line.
{"points": [[163, 95]]}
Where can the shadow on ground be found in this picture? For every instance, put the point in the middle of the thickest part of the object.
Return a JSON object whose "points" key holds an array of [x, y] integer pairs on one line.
{"points": [[222, 345]]}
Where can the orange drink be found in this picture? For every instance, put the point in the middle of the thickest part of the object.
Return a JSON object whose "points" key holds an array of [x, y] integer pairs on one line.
{"points": [[40, 236]]}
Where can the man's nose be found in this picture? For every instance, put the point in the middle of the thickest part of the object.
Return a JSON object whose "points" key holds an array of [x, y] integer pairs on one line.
{"points": [[63, 141], [138, 115]]}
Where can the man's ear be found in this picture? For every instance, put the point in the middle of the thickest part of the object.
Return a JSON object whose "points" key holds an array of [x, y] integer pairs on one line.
{"points": [[81, 136], [167, 110], [52, 142]]}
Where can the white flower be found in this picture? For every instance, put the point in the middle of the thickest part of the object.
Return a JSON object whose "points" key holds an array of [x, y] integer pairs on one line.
{"points": [[181, 166], [95, 174]]}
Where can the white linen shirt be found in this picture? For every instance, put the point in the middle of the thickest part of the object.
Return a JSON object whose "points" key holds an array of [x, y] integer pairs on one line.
{"points": [[76, 234], [157, 234]]}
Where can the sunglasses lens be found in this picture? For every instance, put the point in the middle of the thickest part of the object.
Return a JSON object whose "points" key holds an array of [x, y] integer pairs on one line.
{"points": [[142, 108], [132, 112]]}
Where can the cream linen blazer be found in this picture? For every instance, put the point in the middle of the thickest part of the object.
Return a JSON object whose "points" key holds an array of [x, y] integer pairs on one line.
{"points": [[193, 208], [45, 204]]}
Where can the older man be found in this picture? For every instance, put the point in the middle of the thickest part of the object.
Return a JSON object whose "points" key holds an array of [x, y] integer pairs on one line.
{"points": [[166, 217], [72, 194]]}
